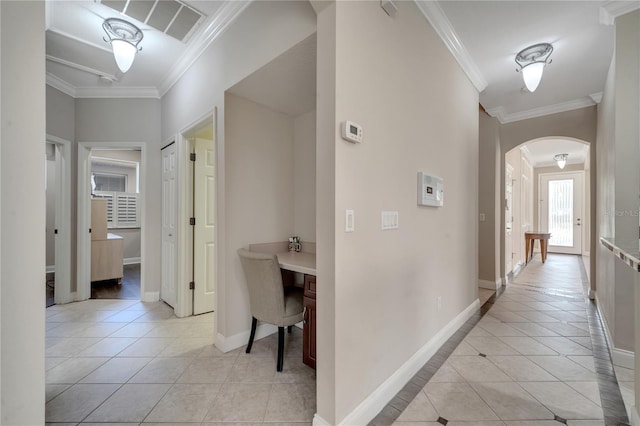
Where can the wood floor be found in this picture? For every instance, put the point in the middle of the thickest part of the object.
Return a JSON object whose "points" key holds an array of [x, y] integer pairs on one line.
{"points": [[108, 289]]}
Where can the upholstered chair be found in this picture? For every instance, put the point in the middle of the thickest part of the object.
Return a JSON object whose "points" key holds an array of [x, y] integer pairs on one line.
{"points": [[270, 302]]}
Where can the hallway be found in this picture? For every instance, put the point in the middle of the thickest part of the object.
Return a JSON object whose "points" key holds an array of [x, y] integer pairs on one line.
{"points": [[534, 355]]}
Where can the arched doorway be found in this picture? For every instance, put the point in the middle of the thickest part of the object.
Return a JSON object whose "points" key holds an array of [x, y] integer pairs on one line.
{"points": [[540, 196]]}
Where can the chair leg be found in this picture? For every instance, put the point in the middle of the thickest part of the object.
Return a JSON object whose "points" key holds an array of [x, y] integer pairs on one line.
{"points": [[254, 323], [289, 329], [280, 347]]}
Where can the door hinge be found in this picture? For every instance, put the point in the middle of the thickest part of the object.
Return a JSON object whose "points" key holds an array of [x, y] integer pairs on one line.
{"points": [[192, 156], [89, 230], [192, 285], [55, 231], [192, 221]]}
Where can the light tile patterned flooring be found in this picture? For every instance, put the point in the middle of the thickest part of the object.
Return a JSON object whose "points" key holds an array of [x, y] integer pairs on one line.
{"points": [[527, 362], [126, 362]]}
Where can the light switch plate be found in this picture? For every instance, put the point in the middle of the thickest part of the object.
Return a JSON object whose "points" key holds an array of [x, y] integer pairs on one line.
{"points": [[349, 221], [389, 220]]}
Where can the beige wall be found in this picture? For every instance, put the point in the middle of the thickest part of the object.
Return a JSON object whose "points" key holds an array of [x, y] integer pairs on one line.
{"points": [[261, 33], [22, 212], [61, 123], [259, 176], [113, 121], [489, 199], [419, 113], [578, 124], [304, 176], [618, 156]]}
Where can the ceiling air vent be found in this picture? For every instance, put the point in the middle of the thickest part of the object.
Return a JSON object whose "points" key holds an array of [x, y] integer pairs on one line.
{"points": [[171, 17]]}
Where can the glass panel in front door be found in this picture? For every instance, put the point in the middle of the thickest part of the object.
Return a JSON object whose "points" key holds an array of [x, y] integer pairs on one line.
{"points": [[561, 212]]}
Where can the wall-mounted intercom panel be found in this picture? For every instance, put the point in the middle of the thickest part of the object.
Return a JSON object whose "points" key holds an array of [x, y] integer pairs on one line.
{"points": [[430, 190]]}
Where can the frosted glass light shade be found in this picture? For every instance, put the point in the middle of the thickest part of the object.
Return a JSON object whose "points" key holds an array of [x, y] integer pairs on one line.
{"points": [[124, 53], [532, 74], [562, 163]]}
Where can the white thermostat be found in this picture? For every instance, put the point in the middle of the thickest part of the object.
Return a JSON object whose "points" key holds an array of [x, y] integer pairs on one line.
{"points": [[430, 190], [351, 132]]}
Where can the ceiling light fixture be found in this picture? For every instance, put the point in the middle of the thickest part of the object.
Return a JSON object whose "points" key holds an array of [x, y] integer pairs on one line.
{"points": [[124, 38], [532, 61], [561, 159]]}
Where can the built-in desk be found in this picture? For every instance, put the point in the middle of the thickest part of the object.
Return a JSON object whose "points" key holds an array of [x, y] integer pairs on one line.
{"points": [[302, 262], [305, 263]]}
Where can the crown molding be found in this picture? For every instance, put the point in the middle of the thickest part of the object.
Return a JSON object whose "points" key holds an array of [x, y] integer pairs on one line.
{"points": [[505, 117], [438, 20], [79, 40], [117, 92], [223, 18], [610, 10], [58, 83], [101, 92], [81, 67], [596, 97]]}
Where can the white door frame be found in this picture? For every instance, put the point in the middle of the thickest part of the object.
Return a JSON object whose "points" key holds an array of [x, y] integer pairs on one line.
{"points": [[582, 202], [184, 300], [62, 286], [84, 214]]}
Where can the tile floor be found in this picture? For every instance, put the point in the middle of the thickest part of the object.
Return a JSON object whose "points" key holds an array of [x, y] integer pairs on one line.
{"points": [[126, 362], [528, 361]]}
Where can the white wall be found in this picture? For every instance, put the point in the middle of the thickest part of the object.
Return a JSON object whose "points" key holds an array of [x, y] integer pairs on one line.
{"points": [[419, 112], [22, 247], [618, 181], [52, 197], [259, 204], [263, 31], [60, 112], [489, 200], [304, 176], [110, 121]]}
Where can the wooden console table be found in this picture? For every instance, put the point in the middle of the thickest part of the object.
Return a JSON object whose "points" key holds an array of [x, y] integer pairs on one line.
{"points": [[529, 241]]}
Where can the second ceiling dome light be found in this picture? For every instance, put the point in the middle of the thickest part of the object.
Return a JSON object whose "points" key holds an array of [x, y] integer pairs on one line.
{"points": [[532, 61]]}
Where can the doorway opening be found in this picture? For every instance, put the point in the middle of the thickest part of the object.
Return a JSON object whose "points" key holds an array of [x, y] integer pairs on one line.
{"points": [[196, 209], [542, 197], [58, 221], [115, 179], [111, 229]]}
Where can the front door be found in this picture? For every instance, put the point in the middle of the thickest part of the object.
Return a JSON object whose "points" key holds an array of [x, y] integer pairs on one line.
{"points": [[204, 236], [169, 211], [561, 211]]}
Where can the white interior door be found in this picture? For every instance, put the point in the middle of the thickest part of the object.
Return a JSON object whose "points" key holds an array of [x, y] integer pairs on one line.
{"points": [[168, 291], [561, 199], [204, 232]]}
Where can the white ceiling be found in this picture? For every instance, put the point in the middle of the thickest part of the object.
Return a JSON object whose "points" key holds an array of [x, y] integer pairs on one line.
{"points": [[287, 84], [77, 55], [493, 32], [486, 36], [541, 152]]}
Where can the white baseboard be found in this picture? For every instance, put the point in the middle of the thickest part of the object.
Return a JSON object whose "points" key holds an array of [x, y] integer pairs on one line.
{"points": [[490, 284], [619, 357], [623, 358], [150, 296], [635, 417], [131, 261], [371, 406], [226, 344], [319, 421], [51, 268]]}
